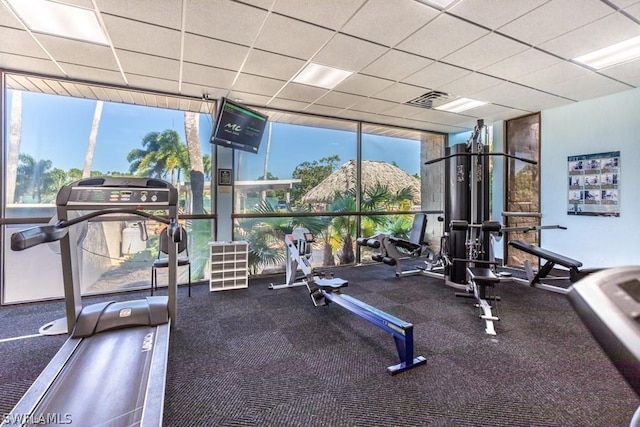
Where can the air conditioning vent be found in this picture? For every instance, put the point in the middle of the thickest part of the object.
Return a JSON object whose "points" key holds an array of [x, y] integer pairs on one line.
{"points": [[426, 99]]}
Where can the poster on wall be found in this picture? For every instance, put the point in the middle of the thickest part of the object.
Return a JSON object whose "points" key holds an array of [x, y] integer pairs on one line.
{"points": [[594, 184]]}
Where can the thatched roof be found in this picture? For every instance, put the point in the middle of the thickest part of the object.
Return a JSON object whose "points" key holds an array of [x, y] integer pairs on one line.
{"points": [[373, 174]]}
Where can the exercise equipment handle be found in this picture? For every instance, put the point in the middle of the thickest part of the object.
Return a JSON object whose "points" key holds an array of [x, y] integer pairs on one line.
{"points": [[34, 236], [511, 156]]}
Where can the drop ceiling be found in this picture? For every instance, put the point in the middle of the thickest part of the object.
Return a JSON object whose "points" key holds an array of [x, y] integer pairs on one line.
{"points": [[516, 55]]}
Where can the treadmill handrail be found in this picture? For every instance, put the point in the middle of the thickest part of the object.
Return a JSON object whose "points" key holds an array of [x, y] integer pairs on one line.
{"points": [[34, 236]]}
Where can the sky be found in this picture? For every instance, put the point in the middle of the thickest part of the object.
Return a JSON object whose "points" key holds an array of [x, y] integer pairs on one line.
{"points": [[48, 120]]}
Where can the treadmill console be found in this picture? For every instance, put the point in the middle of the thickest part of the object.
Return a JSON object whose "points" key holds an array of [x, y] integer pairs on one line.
{"points": [[118, 196], [108, 191], [608, 302]]}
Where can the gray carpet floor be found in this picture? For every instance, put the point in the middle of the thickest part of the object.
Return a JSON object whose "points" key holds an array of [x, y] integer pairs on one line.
{"points": [[260, 357]]}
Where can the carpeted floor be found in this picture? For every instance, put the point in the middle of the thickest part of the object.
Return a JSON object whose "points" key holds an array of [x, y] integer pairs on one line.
{"points": [[260, 357]]}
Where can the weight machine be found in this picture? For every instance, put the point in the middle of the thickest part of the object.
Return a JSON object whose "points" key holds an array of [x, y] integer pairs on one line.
{"points": [[324, 291], [468, 229]]}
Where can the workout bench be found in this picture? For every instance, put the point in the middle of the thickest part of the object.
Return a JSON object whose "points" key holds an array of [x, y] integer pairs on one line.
{"points": [[392, 250], [551, 258]]}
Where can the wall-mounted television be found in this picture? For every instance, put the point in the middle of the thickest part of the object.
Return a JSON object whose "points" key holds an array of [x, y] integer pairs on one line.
{"points": [[238, 127]]}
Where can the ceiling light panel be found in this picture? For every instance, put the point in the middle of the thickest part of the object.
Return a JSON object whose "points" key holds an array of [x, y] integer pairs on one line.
{"points": [[460, 105], [616, 54], [321, 76], [60, 19]]}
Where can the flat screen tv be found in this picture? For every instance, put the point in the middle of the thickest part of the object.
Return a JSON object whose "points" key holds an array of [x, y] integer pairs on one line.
{"points": [[238, 127]]}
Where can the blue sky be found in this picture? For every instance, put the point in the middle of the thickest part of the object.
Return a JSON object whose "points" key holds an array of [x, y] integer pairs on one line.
{"points": [[51, 122]]}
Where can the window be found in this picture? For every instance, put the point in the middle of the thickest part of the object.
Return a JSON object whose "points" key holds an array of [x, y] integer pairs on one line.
{"points": [[52, 140]]}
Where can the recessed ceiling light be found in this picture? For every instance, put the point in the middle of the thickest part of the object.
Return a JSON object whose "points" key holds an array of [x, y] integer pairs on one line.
{"points": [[59, 19], [612, 55], [321, 75], [460, 104]]}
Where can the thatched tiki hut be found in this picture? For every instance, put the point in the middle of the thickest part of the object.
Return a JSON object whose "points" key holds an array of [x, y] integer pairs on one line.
{"points": [[374, 174]]}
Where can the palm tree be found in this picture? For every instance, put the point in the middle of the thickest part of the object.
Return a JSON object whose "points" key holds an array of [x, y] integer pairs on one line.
{"points": [[162, 153], [88, 159], [196, 163], [266, 235]]}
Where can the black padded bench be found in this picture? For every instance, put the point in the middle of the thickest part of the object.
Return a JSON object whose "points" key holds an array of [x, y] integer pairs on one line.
{"points": [[552, 258]]}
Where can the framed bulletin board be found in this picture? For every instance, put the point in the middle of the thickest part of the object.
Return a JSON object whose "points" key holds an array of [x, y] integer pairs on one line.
{"points": [[594, 184]]}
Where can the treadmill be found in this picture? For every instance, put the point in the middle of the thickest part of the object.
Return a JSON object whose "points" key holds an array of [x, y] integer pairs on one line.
{"points": [[608, 303], [112, 368]]}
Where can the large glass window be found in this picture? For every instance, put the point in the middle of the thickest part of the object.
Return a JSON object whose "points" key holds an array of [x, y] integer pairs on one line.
{"points": [[522, 188], [53, 140], [304, 165]]}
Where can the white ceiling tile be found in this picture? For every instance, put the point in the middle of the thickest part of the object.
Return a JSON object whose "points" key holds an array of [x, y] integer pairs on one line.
{"points": [[258, 85], [485, 51], [348, 53], [272, 65], [544, 79], [7, 19], [623, 3], [469, 85], [152, 83], [19, 41], [520, 64], [436, 75], [520, 97], [94, 75], [373, 106], [628, 72], [207, 51], [436, 116], [323, 13], [150, 66], [322, 110], [400, 92], [359, 84], [169, 15], [596, 35], [288, 104], [634, 10], [555, 18], [404, 110], [77, 52], [589, 86], [396, 65], [207, 76], [339, 99], [493, 13], [304, 93], [398, 18], [224, 20], [290, 37], [145, 38], [436, 39]]}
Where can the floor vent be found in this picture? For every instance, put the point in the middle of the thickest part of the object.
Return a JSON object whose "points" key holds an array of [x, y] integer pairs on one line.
{"points": [[426, 99]]}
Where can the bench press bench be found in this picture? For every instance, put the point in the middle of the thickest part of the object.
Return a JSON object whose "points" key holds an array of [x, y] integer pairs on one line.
{"points": [[551, 259]]}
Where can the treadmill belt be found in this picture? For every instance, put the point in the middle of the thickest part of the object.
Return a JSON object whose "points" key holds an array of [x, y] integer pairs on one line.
{"points": [[105, 381]]}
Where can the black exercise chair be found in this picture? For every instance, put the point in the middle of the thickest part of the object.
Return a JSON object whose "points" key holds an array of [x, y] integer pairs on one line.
{"points": [[163, 257]]}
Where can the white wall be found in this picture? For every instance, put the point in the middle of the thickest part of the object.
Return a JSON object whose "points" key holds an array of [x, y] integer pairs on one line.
{"points": [[610, 123]]}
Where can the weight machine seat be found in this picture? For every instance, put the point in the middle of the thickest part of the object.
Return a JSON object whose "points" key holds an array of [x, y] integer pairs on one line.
{"points": [[330, 284], [546, 254], [483, 275]]}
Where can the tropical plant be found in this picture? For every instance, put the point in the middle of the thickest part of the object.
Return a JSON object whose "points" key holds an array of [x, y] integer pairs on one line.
{"points": [[163, 153], [266, 235]]}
